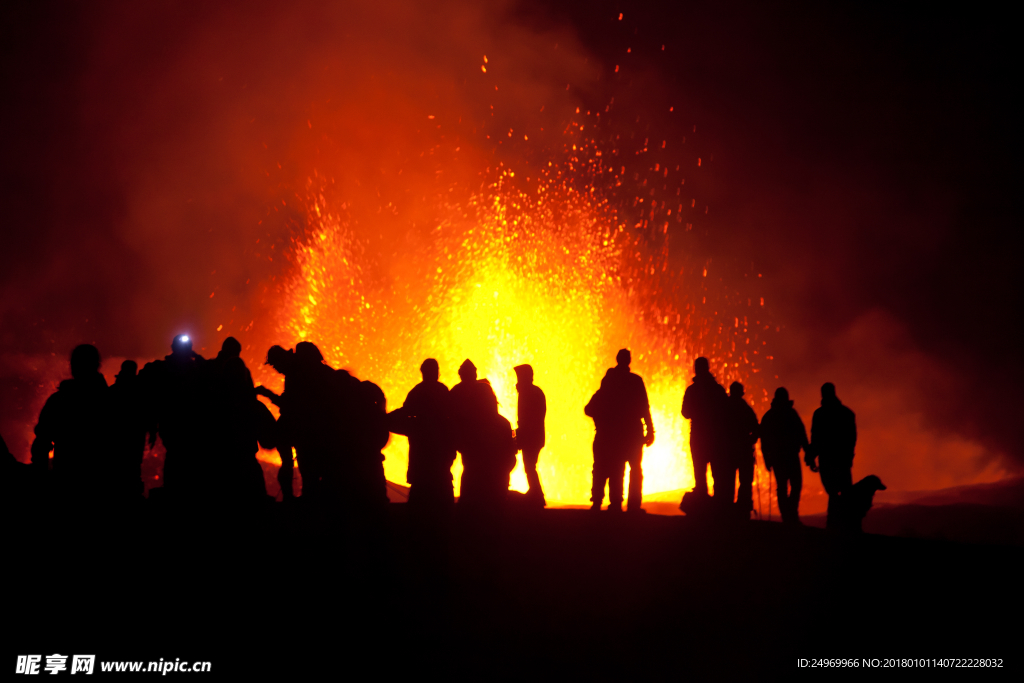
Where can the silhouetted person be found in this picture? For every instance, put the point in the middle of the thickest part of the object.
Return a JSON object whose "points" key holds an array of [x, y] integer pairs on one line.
{"points": [[609, 468], [532, 409], [362, 484], [741, 435], [171, 387], [425, 418], [466, 400], [235, 419], [628, 413], [338, 426], [704, 405], [465, 397], [75, 424], [128, 440], [488, 456], [782, 437], [312, 412], [283, 361], [833, 437]]}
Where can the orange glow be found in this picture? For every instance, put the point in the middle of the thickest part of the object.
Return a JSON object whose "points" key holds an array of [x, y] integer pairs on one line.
{"points": [[545, 275], [521, 281]]}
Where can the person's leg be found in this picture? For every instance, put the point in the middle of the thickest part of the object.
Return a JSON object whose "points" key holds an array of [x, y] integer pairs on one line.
{"points": [[700, 469], [782, 489], [795, 484], [834, 483], [745, 495], [600, 476], [636, 479], [615, 479], [530, 457], [724, 473]]}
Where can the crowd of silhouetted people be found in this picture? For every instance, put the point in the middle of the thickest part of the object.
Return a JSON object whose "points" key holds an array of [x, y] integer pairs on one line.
{"points": [[724, 430], [207, 414]]}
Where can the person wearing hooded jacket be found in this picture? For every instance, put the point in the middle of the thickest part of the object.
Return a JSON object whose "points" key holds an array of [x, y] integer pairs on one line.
{"points": [[488, 448], [742, 435], [782, 436], [531, 411]]}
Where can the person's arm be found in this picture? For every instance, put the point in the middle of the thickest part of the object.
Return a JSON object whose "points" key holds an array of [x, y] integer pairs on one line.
{"points": [[753, 427], [809, 450], [591, 408], [267, 393], [765, 429], [507, 444], [804, 444], [766, 450], [649, 439], [44, 431], [542, 416]]}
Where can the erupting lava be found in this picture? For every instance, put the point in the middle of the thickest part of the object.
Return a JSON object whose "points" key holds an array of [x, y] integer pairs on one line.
{"points": [[546, 272]]}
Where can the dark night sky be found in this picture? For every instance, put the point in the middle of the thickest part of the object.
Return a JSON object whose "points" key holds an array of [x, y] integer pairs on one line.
{"points": [[863, 162]]}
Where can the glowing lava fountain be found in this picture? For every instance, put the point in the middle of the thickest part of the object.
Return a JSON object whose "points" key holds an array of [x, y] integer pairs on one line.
{"points": [[545, 273]]}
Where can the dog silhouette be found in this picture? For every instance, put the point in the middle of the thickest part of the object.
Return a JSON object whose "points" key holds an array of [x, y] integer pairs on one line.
{"points": [[857, 502]]}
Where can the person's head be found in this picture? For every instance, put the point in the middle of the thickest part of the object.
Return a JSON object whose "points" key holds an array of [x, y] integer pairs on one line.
{"points": [[231, 348], [129, 368], [736, 389], [280, 358], [430, 370], [467, 371], [524, 374], [489, 398], [828, 391], [623, 358], [85, 360], [701, 366], [181, 345], [308, 353], [781, 396]]}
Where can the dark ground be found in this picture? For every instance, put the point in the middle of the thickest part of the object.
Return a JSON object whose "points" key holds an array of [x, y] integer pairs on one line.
{"points": [[978, 513], [563, 594]]}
